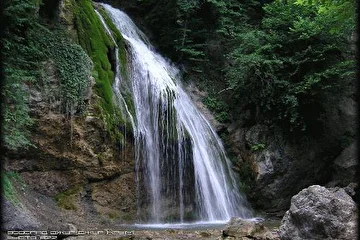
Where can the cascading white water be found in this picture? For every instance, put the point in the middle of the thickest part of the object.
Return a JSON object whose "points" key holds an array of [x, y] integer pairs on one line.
{"points": [[183, 173], [119, 98]]}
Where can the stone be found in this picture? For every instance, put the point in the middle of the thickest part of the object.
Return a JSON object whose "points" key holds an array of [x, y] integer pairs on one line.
{"points": [[258, 134], [50, 183], [16, 217], [351, 189], [345, 165], [115, 198], [243, 229], [320, 213], [279, 167], [88, 92]]}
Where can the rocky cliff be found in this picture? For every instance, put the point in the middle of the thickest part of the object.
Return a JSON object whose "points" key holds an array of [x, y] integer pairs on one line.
{"points": [[76, 167], [275, 166]]}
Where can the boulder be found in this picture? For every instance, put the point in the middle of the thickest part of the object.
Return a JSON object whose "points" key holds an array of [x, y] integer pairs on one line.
{"points": [[243, 229], [345, 165], [320, 213]]}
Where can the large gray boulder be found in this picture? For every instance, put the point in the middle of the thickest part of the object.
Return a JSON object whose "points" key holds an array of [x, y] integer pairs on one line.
{"points": [[320, 213]]}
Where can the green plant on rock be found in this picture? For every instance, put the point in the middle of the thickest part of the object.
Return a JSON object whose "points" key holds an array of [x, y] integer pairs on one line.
{"points": [[258, 146], [247, 178], [21, 68], [28, 43], [218, 107], [117, 37], [67, 198], [125, 86], [9, 191], [73, 66], [93, 38]]}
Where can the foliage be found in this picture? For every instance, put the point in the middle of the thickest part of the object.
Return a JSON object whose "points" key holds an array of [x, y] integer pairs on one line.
{"points": [[73, 66], [9, 190], [234, 16], [282, 58], [28, 42], [258, 146], [340, 13], [291, 62], [67, 198], [20, 69], [31, 40], [219, 107]]}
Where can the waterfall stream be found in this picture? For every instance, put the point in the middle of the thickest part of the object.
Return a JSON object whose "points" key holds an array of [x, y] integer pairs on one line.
{"points": [[183, 173]]}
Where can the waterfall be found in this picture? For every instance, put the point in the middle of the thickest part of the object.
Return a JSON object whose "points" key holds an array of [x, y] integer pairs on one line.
{"points": [[183, 173]]}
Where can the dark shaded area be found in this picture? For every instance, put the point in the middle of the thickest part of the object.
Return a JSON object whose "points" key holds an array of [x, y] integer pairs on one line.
{"points": [[3, 24], [49, 9]]}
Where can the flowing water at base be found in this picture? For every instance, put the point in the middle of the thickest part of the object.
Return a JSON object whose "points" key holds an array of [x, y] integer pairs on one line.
{"points": [[199, 225]]}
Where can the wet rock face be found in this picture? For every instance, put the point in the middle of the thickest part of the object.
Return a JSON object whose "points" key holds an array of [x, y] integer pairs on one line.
{"points": [[116, 198], [280, 167], [84, 158], [75, 153], [282, 163], [320, 213], [242, 229]]}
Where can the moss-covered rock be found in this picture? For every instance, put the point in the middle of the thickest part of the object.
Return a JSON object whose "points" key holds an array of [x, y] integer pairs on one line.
{"points": [[125, 83], [100, 47], [67, 198]]}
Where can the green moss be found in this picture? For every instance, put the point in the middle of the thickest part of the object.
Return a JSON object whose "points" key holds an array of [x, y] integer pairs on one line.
{"points": [[9, 190], [122, 57], [128, 217], [67, 199], [118, 38], [113, 215], [258, 146], [93, 38]]}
